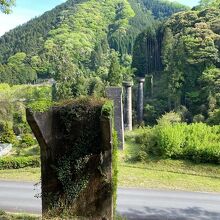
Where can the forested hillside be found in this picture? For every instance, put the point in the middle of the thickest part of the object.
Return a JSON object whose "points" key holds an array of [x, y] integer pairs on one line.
{"points": [[188, 81], [82, 44]]}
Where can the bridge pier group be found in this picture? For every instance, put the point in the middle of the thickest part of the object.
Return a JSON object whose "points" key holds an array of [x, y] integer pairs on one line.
{"points": [[123, 110]]}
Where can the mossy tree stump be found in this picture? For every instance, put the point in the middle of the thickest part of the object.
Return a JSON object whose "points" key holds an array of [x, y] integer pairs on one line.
{"points": [[76, 158]]}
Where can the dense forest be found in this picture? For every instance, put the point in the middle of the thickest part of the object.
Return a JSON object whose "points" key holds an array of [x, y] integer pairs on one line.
{"points": [[83, 45], [185, 66], [87, 45]]}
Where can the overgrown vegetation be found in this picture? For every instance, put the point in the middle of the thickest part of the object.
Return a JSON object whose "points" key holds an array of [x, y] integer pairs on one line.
{"points": [[108, 111], [83, 45], [14, 128], [19, 162], [181, 62], [82, 151], [196, 142]]}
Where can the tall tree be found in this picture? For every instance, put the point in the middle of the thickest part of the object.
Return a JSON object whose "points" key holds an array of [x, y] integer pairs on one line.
{"points": [[115, 73]]}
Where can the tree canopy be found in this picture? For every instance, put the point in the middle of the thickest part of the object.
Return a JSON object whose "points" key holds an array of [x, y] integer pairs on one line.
{"points": [[81, 44], [5, 6]]}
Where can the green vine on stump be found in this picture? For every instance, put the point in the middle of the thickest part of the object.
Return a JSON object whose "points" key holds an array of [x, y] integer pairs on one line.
{"points": [[108, 111]]}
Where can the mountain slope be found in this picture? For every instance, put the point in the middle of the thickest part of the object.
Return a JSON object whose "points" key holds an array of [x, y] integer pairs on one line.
{"points": [[78, 43], [189, 81], [29, 37]]}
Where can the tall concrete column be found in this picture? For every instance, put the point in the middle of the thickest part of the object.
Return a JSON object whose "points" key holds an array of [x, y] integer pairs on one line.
{"points": [[128, 105], [76, 133], [140, 102], [115, 94]]}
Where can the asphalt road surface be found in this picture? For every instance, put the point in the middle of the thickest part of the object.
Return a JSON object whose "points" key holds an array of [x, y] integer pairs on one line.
{"points": [[133, 203]]}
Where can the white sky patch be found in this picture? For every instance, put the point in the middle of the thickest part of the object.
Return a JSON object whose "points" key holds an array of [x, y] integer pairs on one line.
{"points": [[21, 15], [8, 22]]}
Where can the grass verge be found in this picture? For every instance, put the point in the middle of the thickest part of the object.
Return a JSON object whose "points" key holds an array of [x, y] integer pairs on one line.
{"points": [[24, 174], [170, 175], [9, 216], [154, 174]]}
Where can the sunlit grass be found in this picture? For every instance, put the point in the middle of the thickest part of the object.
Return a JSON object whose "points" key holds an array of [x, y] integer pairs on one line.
{"points": [[171, 175], [25, 174], [154, 174]]}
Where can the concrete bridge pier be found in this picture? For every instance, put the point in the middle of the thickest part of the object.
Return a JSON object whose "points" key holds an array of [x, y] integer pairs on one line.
{"points": [[140, 100], [128, 105]]}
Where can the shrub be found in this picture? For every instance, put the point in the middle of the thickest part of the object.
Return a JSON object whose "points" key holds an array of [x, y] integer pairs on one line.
{"points": [[170, 118], [41, 105], [19, 162], [198, 118], [214, 117], [141, 142], [28, 139], [170, 139], [197, 142], [8, 135]]}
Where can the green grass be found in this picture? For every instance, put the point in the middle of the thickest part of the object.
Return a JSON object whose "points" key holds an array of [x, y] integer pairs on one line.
{"points": [[162, 174], [154, 174], [25, 174], [170, 175], [9, 216]]}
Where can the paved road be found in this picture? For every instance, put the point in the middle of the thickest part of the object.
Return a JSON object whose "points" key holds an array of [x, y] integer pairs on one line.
{"points": [[136, 204]]}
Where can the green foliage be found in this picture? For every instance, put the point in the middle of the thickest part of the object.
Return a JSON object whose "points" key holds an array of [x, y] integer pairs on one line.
{"points": [[15, 99], [7, 136], [164, 8], [75, 43], [209, 3], [198, 118], [28, 139], [196, 142], [40, 106], [7, 216], [147, 52], [169, 118], [214, 117], [19, 162], [115, 73], [26, 93], [107, 109], [17, 70], [190, 55], [5, 6]]}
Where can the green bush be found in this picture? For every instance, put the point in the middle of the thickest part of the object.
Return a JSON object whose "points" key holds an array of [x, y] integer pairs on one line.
{"points": [[8, 135], [142, 142], [214, 117], [197, 142], [40, 105], [170, 118], [198, 118], [170, 139], [19, 162], [28, 139]]}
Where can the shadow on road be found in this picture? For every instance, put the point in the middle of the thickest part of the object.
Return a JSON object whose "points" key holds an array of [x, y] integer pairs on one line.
{"points": [[192, 213]]}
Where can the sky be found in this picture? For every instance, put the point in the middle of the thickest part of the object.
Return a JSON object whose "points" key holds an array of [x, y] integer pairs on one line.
{"points": [[27, 9], [190, 3], [24, 11]]}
